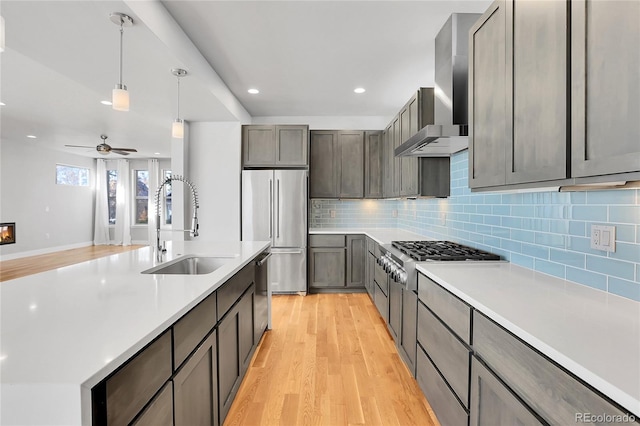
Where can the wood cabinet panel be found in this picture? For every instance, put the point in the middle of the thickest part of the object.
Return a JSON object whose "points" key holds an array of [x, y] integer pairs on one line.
{"points": [[605, 87], [192, 328], [553, 394], [129, 389], [408, 337], [159, 412], [327, 267], [323, 164], [292, 145], [195, 387], [233, 289], [229, 366], [351, 164], [356, 250], [373, 172], [488, 92], [395, 309], [258, 145]]}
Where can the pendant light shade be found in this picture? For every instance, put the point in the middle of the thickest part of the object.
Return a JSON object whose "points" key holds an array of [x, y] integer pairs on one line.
{"points": [[120, 95], [177, 128]]}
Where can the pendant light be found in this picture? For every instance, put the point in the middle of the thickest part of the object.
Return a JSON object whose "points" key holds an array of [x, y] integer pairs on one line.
{"points": [[119, 95], [177, 129]]}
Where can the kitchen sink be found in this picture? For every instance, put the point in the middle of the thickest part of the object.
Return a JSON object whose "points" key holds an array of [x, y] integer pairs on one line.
{"points": [[190, 265]]}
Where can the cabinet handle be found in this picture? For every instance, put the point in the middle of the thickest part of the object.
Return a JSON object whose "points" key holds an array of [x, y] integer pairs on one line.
{"points": [[263, 260], [278, 207], [270, 208]]}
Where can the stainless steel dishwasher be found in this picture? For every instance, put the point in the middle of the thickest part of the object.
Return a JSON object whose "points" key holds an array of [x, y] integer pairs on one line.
{"points": [[262, 307]]}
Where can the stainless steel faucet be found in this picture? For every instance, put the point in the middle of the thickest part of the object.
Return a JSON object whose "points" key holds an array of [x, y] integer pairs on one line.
{"points": [[194, 221]]}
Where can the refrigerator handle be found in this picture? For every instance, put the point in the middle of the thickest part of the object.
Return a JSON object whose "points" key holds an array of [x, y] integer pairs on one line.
{"points": [[270, 208], [278, 207]]}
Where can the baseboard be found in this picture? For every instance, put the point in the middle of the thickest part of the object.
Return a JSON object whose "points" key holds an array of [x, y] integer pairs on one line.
{"points": [[44, 251]]}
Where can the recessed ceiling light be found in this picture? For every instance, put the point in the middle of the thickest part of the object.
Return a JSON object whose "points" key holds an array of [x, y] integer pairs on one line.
{"points": [[253, 91], [31, 136], [359, 90], [156, 153], [106, 102]]}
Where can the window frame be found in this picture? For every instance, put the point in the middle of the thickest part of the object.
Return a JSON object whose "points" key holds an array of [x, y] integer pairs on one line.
{"points": [[136, 197], [88, 170]]}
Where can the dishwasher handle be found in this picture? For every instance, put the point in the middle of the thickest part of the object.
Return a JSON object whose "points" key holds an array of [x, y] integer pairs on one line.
{"points": [[263, 259]]}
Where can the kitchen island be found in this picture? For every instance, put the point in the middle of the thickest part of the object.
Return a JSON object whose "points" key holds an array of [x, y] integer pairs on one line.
{"points": [[64, 331]]}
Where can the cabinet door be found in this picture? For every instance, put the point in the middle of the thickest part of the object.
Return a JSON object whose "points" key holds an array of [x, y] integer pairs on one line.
{"points": [[395, 309], [195, 387], [258, 145], [291, 145], [537, 119], [388, 160], [356, 249], [351, 164], [605, 87], [492, 403], [327, 267], [323, 165], [371, 264], [159, 412], [246, 328], [373, 148], [408, 336], [381, 301], [397, 161], [487, 91], [409, 165], [229, 367]]}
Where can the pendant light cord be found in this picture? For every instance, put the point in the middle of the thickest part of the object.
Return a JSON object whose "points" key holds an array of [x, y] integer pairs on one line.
{"points": [[121, 36], [178, 117]]}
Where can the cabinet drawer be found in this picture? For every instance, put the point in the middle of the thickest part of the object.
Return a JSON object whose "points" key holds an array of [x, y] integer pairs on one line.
{"points": [[381, 301], [327, 241], [231, 291], [448, 353], [371, 246], [380, 277], [447, 408], [159, 412], [192, 328], [550, 391], [129, 390], [451, 310]]}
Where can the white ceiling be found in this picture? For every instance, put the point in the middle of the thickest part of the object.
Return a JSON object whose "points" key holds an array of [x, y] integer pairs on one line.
{"points": [[306, 57]]}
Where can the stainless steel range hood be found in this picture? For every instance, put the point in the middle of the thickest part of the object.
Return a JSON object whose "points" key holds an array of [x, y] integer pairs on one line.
{"points": [[449, 133]]}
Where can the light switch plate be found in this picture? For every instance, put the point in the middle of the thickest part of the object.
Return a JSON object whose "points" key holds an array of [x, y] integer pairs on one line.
{"points": [[332, 213], [603, 237]]}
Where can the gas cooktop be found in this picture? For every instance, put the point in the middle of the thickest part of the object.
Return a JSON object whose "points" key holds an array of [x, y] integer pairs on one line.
{"points": [[441, 250]]}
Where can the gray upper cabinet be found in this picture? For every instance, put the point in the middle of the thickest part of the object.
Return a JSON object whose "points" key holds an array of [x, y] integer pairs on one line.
{"points": [[323, 167], [409, 126], [605, 76], [336, 167], [388, 162], [351, 164], [397, 161], [373, 155], [275, 146], [487, 98], [536, 57]]}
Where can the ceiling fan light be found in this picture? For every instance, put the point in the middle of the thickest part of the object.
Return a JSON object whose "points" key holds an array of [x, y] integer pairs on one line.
{"points": [[120, 98], [177, 129]]}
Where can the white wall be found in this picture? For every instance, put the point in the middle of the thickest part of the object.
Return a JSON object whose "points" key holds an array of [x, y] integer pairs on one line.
{"points": [[330, 122], [48, 217], [214, 167]]}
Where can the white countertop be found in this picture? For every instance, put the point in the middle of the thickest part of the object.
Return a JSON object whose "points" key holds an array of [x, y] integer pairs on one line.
{"points": [[63, 331], [379, 235], [593, 334]]}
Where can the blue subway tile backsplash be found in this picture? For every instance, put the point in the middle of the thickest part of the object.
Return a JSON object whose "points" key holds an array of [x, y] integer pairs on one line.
{"points": [[545, 231]]}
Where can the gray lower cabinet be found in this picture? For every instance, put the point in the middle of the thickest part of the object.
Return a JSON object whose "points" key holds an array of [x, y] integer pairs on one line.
{"points": [[553, 394], [159, 412], [494, 403], [195, 386], [371, 268], [605, 89], [395, 309], [327, 267], [235, 343], [356, 250], [275, 145], [381, 300], [408, 333]]}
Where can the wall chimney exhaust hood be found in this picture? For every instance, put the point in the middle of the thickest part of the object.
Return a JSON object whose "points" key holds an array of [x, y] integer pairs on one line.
{"points": [[449, 133]]}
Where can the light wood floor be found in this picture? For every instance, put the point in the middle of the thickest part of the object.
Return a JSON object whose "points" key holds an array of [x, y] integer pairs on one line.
{"points": [[16, 268], [329, 360]]}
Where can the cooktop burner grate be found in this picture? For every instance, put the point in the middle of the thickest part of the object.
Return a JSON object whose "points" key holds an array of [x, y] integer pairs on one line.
{"points": [[442, 250]]}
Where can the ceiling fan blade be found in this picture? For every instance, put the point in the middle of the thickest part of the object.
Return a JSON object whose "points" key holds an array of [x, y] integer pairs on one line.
{"points": [[81, 146], [124, 149], [119, 151]]}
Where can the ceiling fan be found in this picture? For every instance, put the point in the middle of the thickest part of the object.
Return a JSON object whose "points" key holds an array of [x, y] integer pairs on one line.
{"points": [[105, 149]]}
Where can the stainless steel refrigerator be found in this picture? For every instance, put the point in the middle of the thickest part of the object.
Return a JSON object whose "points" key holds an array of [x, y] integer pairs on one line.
{"points": [[274, 208]]}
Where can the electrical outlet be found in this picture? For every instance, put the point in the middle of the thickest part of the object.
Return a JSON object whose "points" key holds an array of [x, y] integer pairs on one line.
{"points": [[414, 214], [394, 213], [332, 213], [603, 237], [443, 219]]}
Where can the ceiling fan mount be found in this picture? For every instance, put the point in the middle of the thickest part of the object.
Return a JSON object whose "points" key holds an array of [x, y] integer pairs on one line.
{"points": [[104, 148]]}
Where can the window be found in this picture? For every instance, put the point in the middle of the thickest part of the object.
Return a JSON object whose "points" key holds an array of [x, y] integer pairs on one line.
{"points": [[71, 175], [142, 197], [112, 184], [167, 198]]}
